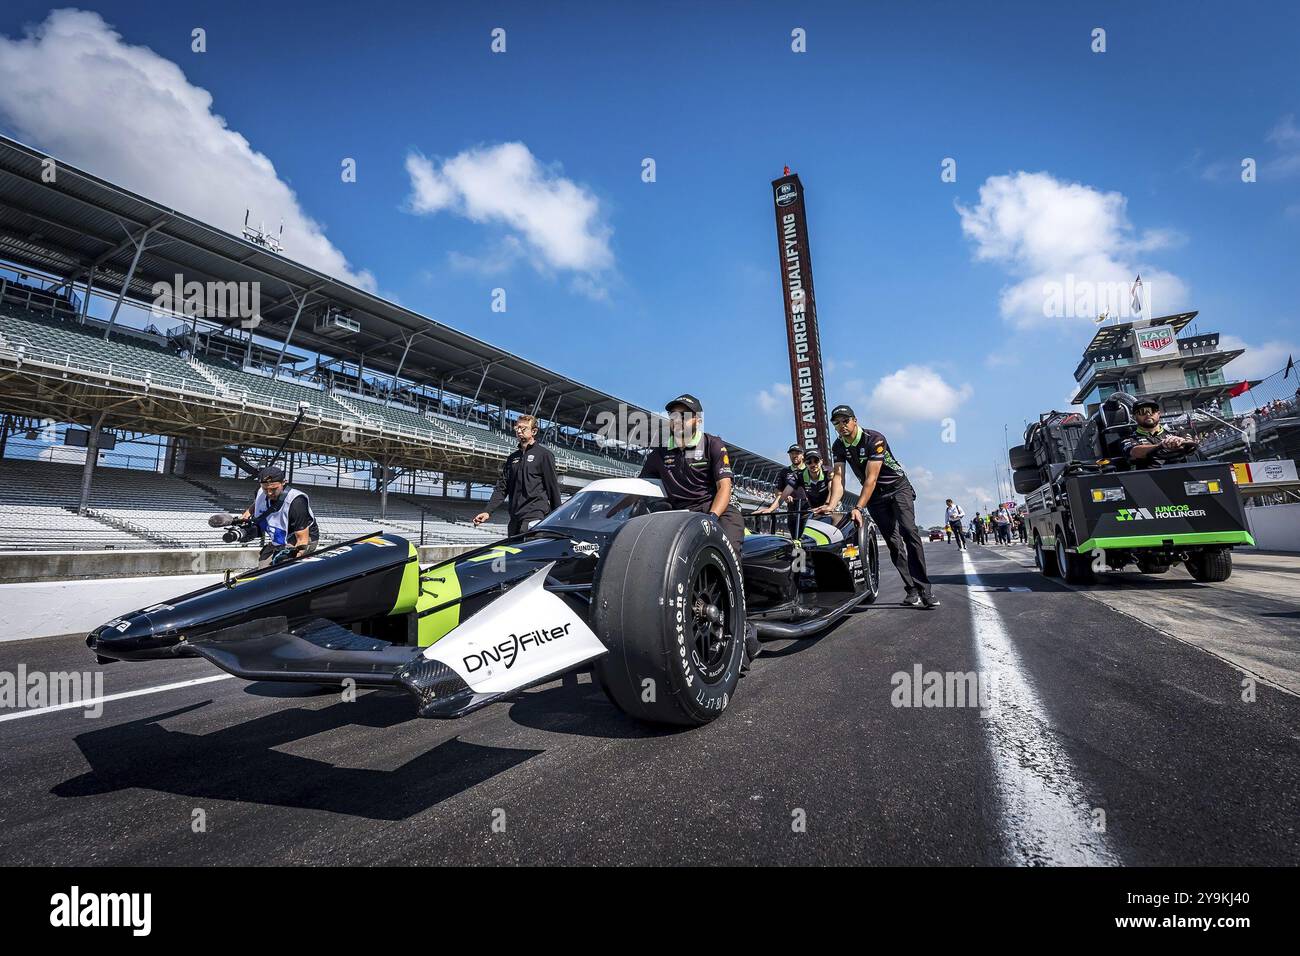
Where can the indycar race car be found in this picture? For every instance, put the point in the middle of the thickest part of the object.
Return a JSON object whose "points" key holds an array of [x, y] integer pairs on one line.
{"points": [[654, 600]]}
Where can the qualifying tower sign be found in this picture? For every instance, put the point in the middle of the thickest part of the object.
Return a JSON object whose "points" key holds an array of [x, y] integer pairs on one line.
{"points": [[806, 384]]}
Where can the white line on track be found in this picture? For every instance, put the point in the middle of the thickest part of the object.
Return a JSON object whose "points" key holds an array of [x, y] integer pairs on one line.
{"points": [[95, 701], [1047, 819]]}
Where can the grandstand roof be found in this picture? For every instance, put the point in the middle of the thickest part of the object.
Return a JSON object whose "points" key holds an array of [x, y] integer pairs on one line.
{"points": [[80, 221]]}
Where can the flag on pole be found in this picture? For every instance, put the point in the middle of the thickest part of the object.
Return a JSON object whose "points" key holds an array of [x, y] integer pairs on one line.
{"points": [[1135, 295], [1238, 389], [1290, 367]]}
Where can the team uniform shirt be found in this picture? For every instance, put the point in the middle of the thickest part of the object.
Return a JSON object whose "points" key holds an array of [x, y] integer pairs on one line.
{"points": [[817, 489], [528, 480], [866, 446], [790, 480], [1143, 437], [690, 473]]}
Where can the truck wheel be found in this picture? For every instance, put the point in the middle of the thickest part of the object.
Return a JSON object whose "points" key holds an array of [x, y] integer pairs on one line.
{"points": [[1075, 568], [1046, 560], [1211, 566], [669, 604], [869, 555]]}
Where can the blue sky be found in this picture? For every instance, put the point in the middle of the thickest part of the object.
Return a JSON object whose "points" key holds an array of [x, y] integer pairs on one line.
{"points": [[1132, 156]]}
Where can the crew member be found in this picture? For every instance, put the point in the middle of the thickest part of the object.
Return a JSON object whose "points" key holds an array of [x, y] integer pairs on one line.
{"points": [[284, 515], [886, 494], [816, 480], [695, 472], [954, 516], [790, 490], [1151, 444], [527, 479]]}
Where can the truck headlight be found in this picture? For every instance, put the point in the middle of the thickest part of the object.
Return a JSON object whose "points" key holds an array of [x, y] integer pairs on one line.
{"points": [[1211, 487], [1108, 494]]}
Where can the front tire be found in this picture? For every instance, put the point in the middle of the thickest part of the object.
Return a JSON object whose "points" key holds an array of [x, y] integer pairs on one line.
{"points": [[1046, 560], [1075, 568], [869, 555], [670, 605], [1211, 566]]}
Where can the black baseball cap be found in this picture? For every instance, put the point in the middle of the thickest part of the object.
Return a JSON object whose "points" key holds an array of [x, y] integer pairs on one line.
{"points": [[812, 453], [794, 448], [686, 401], [1145, 402], [842, 411], [270, 473]]}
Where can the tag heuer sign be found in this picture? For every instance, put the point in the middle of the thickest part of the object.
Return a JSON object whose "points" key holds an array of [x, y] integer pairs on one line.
{"points": [[1157, 341], [786, 194]]}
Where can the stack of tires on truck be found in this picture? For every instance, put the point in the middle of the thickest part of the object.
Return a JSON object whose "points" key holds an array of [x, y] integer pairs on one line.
{"points": [[1089, 510]]}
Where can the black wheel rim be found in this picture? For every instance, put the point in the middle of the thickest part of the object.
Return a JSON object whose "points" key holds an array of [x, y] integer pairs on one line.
{"points": [[711, 622]]}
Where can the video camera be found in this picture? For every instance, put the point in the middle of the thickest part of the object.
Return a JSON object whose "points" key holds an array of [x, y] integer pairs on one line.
{"points": [[238, 530]]}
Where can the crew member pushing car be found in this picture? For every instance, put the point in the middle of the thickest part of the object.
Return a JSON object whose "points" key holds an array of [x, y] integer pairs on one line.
{"points": [[1151, 444], [284, 515], [695, 472], [527, 480], [790, 490], [886, 494]]}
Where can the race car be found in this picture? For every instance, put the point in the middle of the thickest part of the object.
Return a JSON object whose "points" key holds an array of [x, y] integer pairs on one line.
{"points": [[653, 600]]}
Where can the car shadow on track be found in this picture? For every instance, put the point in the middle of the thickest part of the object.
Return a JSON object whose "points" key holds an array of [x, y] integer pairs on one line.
{"points": [[241, 762]]}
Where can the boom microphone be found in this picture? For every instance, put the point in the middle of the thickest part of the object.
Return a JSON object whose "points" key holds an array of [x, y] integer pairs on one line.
{"points": [[221, 521]]}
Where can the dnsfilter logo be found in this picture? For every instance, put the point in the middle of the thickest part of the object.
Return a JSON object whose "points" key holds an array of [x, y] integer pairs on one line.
{"points": [[77, 909]]}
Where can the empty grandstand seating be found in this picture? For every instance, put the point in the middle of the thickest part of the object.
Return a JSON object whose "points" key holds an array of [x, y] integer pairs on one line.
{"points": [[132, 508], [281, 392]]}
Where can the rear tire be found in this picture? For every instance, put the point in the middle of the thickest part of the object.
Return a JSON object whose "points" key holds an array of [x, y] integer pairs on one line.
{"points": [[1211, 566], [669, 604], [1075, 568], [1046, 560]]}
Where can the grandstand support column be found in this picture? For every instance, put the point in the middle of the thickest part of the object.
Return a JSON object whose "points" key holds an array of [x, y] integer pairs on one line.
{"points": [[85, 299], [139, 242], [393, 388], [383, 490], [292, 326], [92, 457]]}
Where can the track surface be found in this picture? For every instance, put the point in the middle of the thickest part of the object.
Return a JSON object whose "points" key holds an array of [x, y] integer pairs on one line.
{"points": [[1107, 741]]}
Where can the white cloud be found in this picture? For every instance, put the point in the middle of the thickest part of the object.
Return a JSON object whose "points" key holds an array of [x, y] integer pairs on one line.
{"points": [[556, 223], [774, 399], [1070, 247], [1286, 137], [915, 393], [1259, 360], [72, 87]]}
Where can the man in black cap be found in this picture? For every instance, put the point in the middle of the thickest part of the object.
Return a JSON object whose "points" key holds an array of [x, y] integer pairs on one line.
{"points": [[695, 472], [1151, 444], [695, 469], [284, 515], [790, 492], [527, 481], [886, 494]]}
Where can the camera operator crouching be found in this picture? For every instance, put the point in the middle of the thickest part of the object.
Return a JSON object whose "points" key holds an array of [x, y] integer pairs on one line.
{"points": [[284, 515]]}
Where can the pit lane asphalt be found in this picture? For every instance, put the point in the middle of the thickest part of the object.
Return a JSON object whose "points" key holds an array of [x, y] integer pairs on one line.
{"points": [[1149, 729]]}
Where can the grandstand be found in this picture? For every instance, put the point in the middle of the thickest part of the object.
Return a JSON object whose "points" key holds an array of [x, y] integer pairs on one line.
{"points": [[338, 372]]}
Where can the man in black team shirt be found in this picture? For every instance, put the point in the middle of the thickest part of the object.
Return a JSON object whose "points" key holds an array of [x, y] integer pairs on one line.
{"points": [[527, 481], [790, 492], [695, 471], [886, 494]]}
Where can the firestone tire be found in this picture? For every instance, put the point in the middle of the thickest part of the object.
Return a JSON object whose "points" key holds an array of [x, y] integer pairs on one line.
{"points": [[1211, 566], [869, 555], [669, 603], [1022, 457]]}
